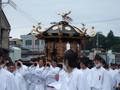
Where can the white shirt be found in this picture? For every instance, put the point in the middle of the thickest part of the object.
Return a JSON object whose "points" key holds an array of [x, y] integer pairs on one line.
{"points": [[73, 81], [100, 79], [7, 81], [117, 79], [20, 81], [86, 75], [112, 73], [22, 70]]}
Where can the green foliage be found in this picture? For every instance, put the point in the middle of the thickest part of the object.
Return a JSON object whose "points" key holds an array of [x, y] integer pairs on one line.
{"points": [[109, 42], [116, 48]]}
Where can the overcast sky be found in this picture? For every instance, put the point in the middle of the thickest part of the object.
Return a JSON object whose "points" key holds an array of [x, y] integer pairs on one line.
{"points": [[104, 15]]}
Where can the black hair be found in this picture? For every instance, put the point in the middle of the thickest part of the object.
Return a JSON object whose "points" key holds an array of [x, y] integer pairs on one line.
{"points": [[35, 64], [19, 64], [98, 58], [48, 65], [91, 64], [10, 64], [71, 57], [104, 62], [1, 52], [85, 61], [60, 66], [106, 66], [2, 61]]}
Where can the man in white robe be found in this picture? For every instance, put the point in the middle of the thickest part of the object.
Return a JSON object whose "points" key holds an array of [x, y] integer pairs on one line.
{"points": [[117, 81], [112, 73], [34, 67], [46, 72], [34, 74], [84, 61], [20, 81], [99, 78], [57, 75], [74, 79], [37, 70], [22, 69], [7, 81]]}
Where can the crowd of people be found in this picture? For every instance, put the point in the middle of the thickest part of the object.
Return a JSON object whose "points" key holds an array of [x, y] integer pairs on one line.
{"points": [[73, 74]]}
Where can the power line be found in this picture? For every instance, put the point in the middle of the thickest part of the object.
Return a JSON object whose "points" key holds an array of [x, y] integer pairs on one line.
{"points": [[21, 11], [30, 18], [102, 21], [22, 26], [26, 15], [88, 22]]}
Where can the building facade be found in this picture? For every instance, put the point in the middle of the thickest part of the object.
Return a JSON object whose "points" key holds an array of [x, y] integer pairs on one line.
{"points": [[32, 43], [4, 33], [15, 42]]}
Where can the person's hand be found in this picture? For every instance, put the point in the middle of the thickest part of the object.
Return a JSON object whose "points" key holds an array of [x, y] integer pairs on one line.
{"points": [[57, 77]]}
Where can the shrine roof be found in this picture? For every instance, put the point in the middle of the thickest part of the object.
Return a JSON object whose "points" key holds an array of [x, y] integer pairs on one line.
{"points": [[61, 29]]}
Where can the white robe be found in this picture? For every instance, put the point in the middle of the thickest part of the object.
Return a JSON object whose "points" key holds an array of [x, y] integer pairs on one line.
{"points": [[112, 73], [62, 75], [22, 70], [57, 85], [20, 81], [7, 81], [31, 85], [86, 75], [42, 85], [48, 74], [33, 68], [35, 83], [73, 81], [117, 79], [100, 79]]}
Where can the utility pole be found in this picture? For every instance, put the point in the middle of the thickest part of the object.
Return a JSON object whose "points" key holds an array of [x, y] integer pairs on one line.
{"points": [[0, 24], [97, 42]]}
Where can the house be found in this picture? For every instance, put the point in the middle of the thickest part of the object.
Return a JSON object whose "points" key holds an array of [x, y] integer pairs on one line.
{"points": [[15, 42], [32, 43], [31, 47], [4, 33]]}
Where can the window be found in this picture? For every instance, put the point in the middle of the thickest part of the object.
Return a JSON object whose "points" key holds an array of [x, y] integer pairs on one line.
{"points": [[12, 42], [42, 42], [28, 42], [36, 42]]}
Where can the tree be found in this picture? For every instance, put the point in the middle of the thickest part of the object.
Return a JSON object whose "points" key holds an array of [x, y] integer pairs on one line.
{"points": [[116, 48], [102, 40], [91, 43], [106, 43], [110, 40]]}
